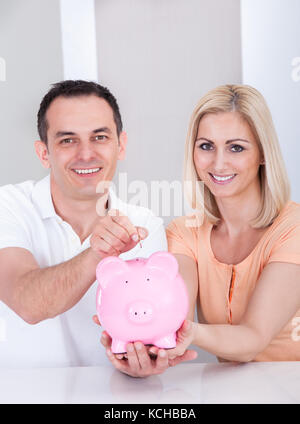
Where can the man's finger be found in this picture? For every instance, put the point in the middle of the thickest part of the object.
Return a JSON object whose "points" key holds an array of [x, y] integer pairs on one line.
{"points": [[96, 319], [105, 339], [143, 357], [133, 361], [162, 360], [124, 222], [142, 232]]}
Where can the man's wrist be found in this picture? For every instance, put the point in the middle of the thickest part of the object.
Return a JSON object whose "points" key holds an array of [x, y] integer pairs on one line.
{"points": [[93, 256]]}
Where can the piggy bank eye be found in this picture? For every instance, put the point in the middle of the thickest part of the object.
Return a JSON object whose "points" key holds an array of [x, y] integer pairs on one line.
{"points": [[148, 279], [126, 282]]}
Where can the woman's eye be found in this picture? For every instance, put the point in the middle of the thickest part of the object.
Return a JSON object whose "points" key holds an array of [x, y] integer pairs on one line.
{"points": [[236, 148], [205, 146]]}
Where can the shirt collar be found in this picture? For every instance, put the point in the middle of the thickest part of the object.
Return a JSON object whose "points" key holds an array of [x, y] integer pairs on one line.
{"points": [[42, 199]]}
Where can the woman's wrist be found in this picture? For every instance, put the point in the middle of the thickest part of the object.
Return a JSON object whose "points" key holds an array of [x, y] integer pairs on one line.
{"points": [[194, 331]]}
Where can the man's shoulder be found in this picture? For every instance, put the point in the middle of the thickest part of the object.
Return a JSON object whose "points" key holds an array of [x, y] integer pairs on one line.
{"points": [[13, 194]]}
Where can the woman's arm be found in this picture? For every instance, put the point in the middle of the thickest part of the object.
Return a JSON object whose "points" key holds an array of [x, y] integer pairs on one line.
{"points": [[275, 300], [189, 272]]}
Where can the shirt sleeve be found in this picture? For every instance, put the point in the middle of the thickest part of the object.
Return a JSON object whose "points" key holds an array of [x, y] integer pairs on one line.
{"points": [[180, 239], [287, 248], [13, 232]]}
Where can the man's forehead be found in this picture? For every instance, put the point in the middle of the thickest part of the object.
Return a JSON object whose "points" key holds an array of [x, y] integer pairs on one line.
{"points": [[73, 103], [66, 113]]}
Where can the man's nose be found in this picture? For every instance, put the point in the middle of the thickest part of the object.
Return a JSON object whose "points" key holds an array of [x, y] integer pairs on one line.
{"points": [[86, 151]]}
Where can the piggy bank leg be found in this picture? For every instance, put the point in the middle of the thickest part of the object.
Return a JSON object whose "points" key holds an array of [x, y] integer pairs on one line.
{"points": [[118, 346], [167, 342]]}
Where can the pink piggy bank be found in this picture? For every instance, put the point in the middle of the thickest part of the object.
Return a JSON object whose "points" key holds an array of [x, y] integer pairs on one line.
{"points": [[141, 300]]}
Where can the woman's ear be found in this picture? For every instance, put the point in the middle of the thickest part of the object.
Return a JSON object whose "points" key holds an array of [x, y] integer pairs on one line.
{"points": [[42, 152]]}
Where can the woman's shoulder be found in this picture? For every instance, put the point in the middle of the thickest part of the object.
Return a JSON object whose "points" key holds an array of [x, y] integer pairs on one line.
{"points": [[289, 216], [286, 224], [188, 225]]}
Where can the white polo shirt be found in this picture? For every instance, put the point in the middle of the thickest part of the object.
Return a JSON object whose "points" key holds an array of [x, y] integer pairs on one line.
{"points": [[28, 220]]}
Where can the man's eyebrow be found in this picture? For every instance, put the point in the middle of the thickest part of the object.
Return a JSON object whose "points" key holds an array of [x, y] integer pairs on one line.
{"points": [[71, 133], [63, 133], [102, 129], [227, 141]]}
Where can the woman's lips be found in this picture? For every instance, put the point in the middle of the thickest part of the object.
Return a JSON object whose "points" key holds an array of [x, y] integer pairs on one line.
{"points": [[222, 179]]}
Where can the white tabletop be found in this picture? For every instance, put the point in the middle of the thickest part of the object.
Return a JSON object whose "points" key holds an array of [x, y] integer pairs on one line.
{"points": [[189, 383]]}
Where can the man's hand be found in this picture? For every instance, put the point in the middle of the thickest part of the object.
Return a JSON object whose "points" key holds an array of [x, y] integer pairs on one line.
{"points": [[115, 234], [140, 360]]}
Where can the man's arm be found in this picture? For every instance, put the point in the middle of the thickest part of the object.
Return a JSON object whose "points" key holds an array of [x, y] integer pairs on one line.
{"points": [[36, 294]]}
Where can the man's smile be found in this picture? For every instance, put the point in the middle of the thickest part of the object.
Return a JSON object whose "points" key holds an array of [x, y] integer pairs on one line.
{"points": [[86, 172]]}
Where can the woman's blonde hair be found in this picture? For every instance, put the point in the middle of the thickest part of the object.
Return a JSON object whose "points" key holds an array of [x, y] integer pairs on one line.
{"points": [[250, 104]]}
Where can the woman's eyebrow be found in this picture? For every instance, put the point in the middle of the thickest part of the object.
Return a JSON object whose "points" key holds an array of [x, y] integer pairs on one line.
{"points": [[227, 141]]}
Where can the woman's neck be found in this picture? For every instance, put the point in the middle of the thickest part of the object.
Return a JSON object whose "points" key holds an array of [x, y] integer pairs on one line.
{"points": [[237, 212]]}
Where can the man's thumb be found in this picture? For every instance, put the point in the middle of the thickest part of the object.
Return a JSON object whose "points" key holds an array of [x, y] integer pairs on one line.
{"points": [[143, 232]]}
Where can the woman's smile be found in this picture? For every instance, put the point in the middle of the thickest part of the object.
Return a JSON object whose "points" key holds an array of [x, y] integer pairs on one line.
{"points": [[222, 179]]}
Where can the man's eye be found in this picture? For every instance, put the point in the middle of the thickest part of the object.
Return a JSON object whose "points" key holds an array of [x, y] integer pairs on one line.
{"points": [[101, 137], [236, 148], [67, 141], [205, 146]]}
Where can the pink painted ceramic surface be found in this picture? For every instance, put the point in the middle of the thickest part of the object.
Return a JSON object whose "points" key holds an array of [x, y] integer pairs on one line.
{"points": [[141, 299]]}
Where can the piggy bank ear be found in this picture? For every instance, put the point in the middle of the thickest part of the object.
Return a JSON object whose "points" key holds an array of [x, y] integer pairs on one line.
{"points": [[165, 262], [108, 268]]}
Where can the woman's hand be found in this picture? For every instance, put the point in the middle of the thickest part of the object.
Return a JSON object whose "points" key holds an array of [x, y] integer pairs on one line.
{"points": [[185, 336]]}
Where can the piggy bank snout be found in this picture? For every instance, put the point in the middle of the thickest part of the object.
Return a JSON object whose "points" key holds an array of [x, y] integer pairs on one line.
{"points": [[140, 312]]}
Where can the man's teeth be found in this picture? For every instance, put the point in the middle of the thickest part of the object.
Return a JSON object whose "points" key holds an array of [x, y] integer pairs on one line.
{"points": [[223, 178], [86, 171]]}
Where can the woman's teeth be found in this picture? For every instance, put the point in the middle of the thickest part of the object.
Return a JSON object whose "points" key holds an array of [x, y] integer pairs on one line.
{"points": [[219, 178], [86, 171]]}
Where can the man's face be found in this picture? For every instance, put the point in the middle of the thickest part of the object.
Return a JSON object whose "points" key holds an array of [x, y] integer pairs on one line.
{"points": [[83, 145]]}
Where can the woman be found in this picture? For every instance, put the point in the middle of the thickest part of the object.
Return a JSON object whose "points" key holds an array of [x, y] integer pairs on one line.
{"points": [[242, 263]]}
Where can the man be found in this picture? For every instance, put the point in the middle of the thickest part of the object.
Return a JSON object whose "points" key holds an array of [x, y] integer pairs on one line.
{"points": [[54, 232]]}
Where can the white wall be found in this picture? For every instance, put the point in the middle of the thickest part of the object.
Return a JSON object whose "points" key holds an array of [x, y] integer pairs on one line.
{"points": [[271, 63], [30, 45]]}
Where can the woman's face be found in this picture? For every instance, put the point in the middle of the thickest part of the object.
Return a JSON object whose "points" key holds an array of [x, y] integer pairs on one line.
{"points": [[226, 154]]}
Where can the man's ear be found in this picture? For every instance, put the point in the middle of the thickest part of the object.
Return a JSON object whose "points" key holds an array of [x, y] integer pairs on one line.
{"points": [[122, 145], [41, 150]]}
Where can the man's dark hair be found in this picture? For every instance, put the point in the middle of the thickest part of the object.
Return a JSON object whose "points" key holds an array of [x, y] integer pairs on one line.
{"points": [[75, 88]]}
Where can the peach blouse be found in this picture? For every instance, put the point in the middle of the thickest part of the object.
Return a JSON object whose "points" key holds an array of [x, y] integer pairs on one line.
{"points": [[225, 290]]}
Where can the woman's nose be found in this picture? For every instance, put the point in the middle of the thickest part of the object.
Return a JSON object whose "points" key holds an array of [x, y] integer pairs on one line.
{"points": [[220, 160]]}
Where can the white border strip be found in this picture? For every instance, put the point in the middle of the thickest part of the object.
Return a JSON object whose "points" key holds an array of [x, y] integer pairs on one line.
{"points": [[78, 29]]}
